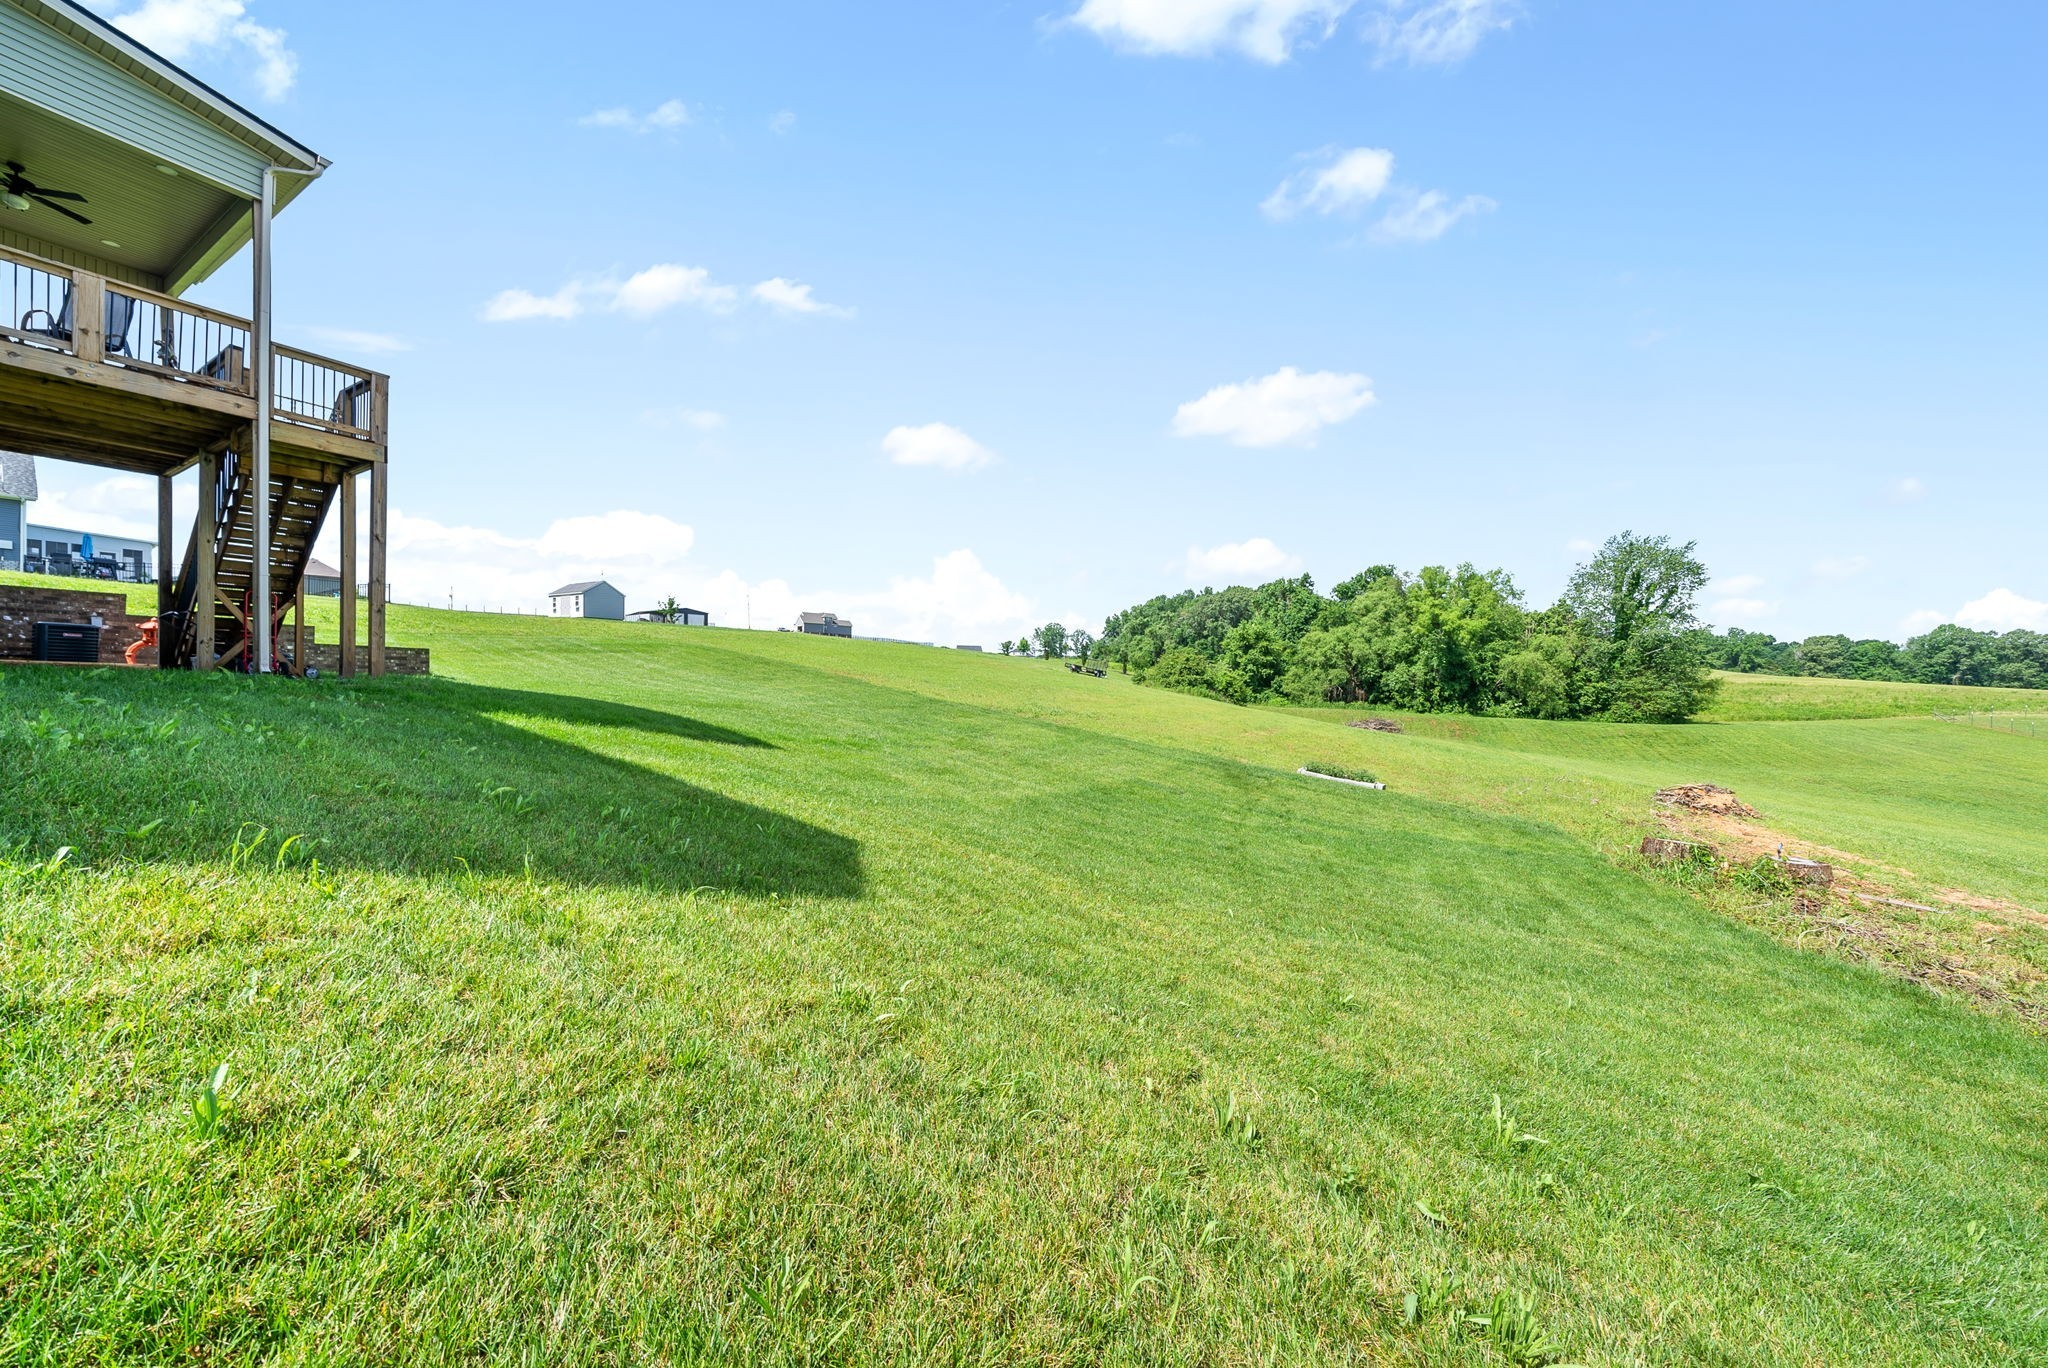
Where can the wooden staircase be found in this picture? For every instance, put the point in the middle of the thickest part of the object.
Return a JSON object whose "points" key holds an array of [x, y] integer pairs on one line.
{"points": [[298, 508]]}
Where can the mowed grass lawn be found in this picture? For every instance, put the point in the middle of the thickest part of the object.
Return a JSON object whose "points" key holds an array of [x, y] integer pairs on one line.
{"points": [[631, 995]]}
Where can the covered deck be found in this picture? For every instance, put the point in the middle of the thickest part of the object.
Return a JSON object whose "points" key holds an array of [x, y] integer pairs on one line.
{"points": [[125, 182]]}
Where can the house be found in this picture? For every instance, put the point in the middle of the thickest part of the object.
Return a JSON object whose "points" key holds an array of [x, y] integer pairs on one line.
{"points": [[124, 183], [322, 579], [589, 599], [823, 624], [63, 550], [17, 492], [975, 649], [683, 617]]}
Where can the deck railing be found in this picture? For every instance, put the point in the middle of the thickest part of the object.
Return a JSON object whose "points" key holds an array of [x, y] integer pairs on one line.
{"points": [[49, 305]]}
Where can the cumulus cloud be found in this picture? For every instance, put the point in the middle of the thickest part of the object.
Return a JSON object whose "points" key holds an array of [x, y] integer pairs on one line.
{"points": [[1418, 32], [788, 296], [1741, 612], [665, 117], [88, 499], [1288, 407], [783, 122], [1911, 489], [1264, 30], [1740, 584], [1334, 180], [361, 343], [1247, 562], [1436, 32], [184, 29], [936, 444], [1426, 216], [2002, 610], [648, 557], [653, 291]]}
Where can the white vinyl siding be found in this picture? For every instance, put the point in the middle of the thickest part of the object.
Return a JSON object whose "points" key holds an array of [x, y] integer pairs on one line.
{"points": [[47, 69]]}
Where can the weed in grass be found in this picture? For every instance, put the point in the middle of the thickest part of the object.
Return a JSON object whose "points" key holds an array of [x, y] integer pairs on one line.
{"points": [[206, 1108], [1506, 1135], [1234, 1125]]}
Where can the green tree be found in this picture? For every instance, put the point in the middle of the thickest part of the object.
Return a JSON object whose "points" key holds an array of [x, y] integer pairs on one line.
{"points": [[1256, 656], [1181, 668], [1637, 585], [1080, 643], [1052, 640]]}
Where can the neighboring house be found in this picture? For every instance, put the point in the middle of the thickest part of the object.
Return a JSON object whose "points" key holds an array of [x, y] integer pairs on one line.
{"points": [[322, 579], [44, 545], [17, 491], [685, 617], [967, 648], [589, 599], [823, 624]]}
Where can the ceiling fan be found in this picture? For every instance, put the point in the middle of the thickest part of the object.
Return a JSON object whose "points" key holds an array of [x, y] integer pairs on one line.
{"points": [[19, 192]]}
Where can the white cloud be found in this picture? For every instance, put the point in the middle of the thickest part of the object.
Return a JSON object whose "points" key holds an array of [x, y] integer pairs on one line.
{"points": [[1426, 216], [87, 499], [643, 295], [960, 602], [512, 306], [783, 122], [1926, 620], [648, 557], [1247, 562], [1738, 612], [1265, 30], [788, 296], [1335, 180], [358, 343], [184, 29], [1436, 32], [1286, 407], [1840, 568], [2002, 610], [1911, 489], [1418, 32], [936, 444], [1740, 584], [701, 420], [665, 117]]}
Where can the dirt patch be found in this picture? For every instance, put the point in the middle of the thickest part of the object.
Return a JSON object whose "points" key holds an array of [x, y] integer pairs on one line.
{"points": [[1705, 798], [1378, 724], [1947, 938]]}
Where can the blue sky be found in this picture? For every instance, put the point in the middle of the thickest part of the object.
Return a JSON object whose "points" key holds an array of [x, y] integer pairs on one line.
{"points": [[958, 317]]}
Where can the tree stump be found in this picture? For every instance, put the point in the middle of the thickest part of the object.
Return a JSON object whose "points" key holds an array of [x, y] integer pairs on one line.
{"points": [[1664, 850], [1810, 872]]}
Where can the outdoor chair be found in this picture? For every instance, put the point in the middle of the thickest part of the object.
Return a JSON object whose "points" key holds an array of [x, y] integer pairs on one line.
{"points": [[352, 405], [57, 326]]}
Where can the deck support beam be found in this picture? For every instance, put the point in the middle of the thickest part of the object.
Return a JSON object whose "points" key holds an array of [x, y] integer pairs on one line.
{"points": [[347, 495], [380, 521], [265, 377], [205, 537], [166, 632]]}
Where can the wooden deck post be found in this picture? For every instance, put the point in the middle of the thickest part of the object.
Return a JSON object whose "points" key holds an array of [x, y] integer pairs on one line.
{"points": [[380, 515], [205, 536], [88, 316], [266, 381], [347, 647], [165, 633]]}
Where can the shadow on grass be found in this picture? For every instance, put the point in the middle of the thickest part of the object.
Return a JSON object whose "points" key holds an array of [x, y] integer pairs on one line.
{"points": [[414, 776]]}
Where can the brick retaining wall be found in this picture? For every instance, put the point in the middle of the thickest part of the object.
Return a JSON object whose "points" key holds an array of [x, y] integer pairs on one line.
{"points": [[22, 608]]}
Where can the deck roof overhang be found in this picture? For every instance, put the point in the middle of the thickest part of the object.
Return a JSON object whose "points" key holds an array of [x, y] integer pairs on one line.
{"points": [[169, 167]]}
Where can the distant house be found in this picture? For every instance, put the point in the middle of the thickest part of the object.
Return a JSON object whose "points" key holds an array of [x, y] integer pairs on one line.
{"points": [[685, 617], [824, 624], [967, 648], [322, 579], [589, 599], [17, 492]]}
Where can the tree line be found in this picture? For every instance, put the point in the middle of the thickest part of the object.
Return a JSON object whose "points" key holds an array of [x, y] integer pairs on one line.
{"points": [[1623, 644], [1946, 655]]}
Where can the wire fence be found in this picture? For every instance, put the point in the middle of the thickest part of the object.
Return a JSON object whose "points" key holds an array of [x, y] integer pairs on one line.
{"points": [[2017, 723]]}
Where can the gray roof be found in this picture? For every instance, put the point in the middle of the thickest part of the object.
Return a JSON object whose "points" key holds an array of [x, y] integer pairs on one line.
{"points": [[824, 620], [17, 476], [320, 569], [581, 587]]}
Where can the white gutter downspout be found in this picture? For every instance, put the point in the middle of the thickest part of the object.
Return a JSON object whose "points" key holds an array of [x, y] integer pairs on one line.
{"points": [[266, 381]]}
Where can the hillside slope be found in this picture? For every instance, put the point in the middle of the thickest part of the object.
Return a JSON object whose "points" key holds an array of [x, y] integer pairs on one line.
{"points": [[631, 995]]}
